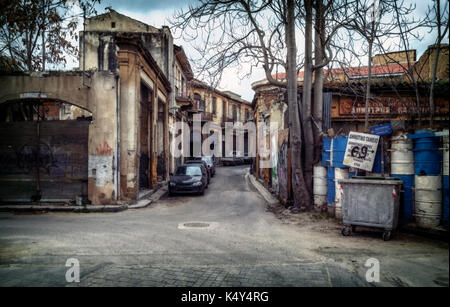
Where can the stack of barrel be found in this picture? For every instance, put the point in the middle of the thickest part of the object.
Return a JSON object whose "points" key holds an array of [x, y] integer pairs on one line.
{"points": [[428, 179], [402, 167]]}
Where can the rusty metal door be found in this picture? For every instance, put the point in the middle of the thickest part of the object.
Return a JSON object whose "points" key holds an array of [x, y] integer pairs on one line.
{"points": [[46, 161]]}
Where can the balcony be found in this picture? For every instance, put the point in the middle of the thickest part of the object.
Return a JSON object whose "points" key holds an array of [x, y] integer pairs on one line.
{"points": [[207, 116]]}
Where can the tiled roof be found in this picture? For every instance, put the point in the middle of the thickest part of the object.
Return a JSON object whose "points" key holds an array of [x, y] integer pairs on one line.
{"points": [[393, 68]]}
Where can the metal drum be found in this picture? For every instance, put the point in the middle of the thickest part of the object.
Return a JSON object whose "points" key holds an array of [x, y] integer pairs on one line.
{"points": [[406, 198], [326, 151], [402, 156], [428, 201], [427, 156], [334, 151], [339, 173], [330, 190], [320, 187]]}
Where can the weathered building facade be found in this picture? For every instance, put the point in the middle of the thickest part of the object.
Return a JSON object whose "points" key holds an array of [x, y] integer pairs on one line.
{"points": [[124, 144], [219, 107], [57, 160]]}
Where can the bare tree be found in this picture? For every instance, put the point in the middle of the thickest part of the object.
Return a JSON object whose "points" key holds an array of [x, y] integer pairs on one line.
{"points": [[370, 21], [35, 32], [330, 16], [260, 33]]}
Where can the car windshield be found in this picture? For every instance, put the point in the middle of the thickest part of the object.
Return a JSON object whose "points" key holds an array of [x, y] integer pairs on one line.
{"points": [[207, 160], [189, 171]]}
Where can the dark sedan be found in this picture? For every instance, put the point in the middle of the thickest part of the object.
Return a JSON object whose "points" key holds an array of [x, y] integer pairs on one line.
{"points": [[210, 163], [201, 162], [188, 178]]}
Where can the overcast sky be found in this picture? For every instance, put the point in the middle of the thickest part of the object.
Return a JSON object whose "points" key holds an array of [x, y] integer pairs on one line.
{"points": [[156, 13]]}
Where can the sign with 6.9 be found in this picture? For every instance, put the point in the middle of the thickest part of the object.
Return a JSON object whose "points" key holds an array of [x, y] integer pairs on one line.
{"points": [[361, 150]]}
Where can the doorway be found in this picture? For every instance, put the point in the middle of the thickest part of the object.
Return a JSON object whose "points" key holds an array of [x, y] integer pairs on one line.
{"points": [[145, 119]]}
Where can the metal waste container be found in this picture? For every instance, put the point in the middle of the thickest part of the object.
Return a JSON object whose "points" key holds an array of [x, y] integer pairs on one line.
{"points": [[371, 202]]}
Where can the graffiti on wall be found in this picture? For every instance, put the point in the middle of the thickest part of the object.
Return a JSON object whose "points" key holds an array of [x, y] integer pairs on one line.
{"points": [[25, 160], [104, 149], [283, 170], [274, 158]]}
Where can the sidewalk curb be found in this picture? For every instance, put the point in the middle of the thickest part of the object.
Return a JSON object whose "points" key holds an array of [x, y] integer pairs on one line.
{"points": [[268, 197], [143, 203], [56, 208], [154, 197]]}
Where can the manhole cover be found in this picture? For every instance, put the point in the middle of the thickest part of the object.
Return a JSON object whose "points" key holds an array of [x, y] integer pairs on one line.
{"points": [[198, 225]]}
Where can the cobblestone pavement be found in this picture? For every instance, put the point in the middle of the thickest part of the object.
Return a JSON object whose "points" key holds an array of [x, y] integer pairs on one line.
{"points": [[107, 275], [243, 244], [289, 275]]}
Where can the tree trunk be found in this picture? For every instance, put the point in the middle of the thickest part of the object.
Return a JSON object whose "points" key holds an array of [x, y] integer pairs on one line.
{"points": [[433, 81], [369, 77], [301, 195], [307, 89], [319, 55], [43, 50]]}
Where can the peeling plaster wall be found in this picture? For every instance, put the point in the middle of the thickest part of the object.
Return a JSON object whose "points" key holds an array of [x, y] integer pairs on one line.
{"points": [[99, 98], [102, 147]]}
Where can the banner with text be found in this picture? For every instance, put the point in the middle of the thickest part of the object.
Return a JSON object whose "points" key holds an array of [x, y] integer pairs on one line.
{"points": [[361, 150]]}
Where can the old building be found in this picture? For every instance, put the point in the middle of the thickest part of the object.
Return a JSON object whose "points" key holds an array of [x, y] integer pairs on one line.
{"points": [[393, 99], [48, 155], [219, 107], [122, 148], [179, 113]]}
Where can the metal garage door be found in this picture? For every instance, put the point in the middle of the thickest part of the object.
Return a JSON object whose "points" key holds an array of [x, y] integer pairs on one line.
{"points": [[45, 160]]}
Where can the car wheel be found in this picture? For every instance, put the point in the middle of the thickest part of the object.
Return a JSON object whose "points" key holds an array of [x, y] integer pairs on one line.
{"points": [[202, 192]]}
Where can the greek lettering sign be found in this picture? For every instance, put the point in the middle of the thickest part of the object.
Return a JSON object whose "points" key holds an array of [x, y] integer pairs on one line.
{"points": [[361, 150], [383, 129]]}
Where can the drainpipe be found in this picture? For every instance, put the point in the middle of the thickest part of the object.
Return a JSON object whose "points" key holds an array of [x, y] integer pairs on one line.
{"points": [[118, 137]]}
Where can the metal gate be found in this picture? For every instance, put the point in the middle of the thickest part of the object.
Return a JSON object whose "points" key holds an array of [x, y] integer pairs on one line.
{"points": [[46, 161]]}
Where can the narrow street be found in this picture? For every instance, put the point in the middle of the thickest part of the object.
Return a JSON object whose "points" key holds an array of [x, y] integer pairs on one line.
{"points": [[243, 244]]}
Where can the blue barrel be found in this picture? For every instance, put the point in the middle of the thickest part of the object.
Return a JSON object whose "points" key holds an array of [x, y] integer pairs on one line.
{"points": [[326, 151], [445, 200], [427, 156], [330, 186], [406, 213], [339, 146]]}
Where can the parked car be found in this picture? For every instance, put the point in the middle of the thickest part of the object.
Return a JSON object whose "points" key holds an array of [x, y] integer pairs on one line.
{"points": [[235, 159], [247, 159], [200, 161], [210, 163], [188, 178]]}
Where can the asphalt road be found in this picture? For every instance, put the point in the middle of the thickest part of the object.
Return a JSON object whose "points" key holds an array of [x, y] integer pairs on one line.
{"points": [[243, 244]]}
